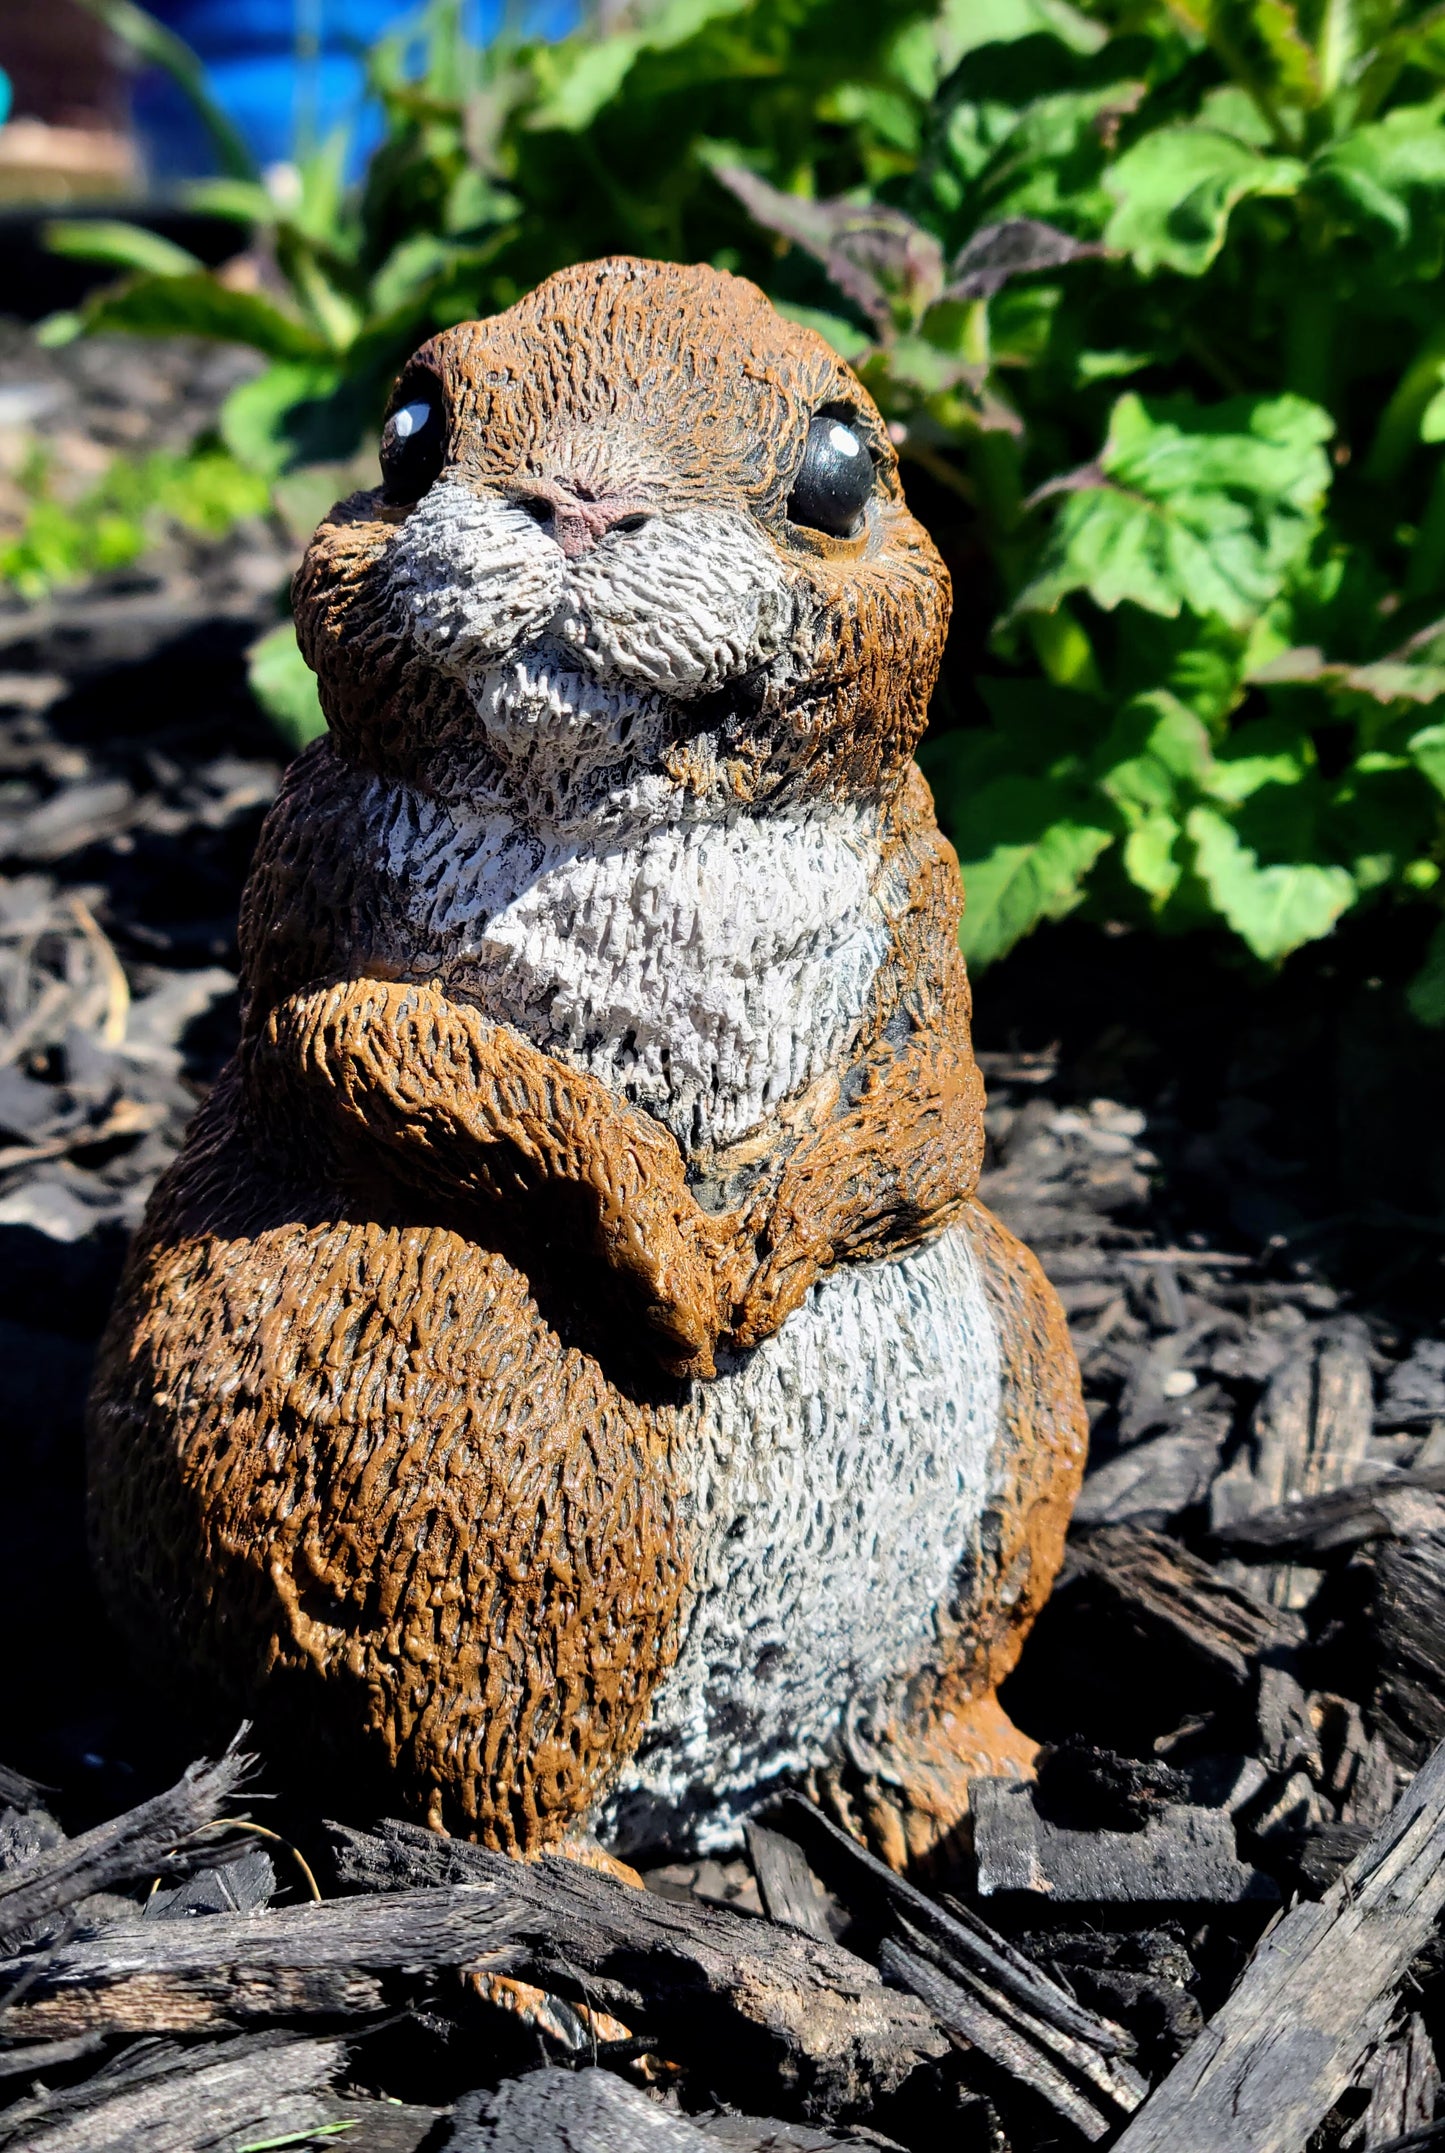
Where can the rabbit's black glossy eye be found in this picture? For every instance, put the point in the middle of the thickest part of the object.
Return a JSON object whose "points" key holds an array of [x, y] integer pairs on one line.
{"points": [[835, 480], [413, 443]]}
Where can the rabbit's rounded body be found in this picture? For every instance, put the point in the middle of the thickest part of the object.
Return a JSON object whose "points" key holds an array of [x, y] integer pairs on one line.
{"points": [[568, 1370]]}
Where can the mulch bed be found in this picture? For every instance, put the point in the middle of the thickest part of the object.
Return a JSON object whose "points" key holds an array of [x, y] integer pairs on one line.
{"points": [[1233, 1853]]}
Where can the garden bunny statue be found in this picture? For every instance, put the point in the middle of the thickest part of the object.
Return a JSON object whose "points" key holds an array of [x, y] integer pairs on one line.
{"points": [[567, 1383]]}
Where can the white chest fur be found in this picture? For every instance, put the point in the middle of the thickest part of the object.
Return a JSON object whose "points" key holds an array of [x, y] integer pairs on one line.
{"points": [[706, 969]]}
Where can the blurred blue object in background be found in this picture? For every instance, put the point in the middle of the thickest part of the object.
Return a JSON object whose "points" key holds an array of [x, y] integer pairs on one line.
{"points": [[4, 97], [287, 73]]}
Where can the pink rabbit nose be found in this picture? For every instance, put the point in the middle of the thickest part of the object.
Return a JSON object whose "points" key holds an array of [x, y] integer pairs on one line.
{"points": [[575, 518]]}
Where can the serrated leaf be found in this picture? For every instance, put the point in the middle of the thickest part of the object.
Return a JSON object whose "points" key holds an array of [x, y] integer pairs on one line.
{"points": [[1274, 908], [1018, 247], [1200, 507], [1176, 189], [1386, 182], [1027, 847], [879, 258], [1023, 132], [285, 686], [1426, 991], [1155, 756]]}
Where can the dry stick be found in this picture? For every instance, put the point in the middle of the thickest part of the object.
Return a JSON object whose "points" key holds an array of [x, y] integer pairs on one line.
{"points": [[970, 2018], [1318, 1994], [977, 1985], [119, 1851], [969, 1945], [796, 2012], [174, 2100]]}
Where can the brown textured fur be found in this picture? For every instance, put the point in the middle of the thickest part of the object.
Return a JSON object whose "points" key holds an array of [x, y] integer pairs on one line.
{"points": [[389, 1437]]}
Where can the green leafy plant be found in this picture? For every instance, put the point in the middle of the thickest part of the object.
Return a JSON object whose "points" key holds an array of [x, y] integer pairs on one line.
{"points": [[497, 165], [1204, 630], [1150, 294], [60, 542]]}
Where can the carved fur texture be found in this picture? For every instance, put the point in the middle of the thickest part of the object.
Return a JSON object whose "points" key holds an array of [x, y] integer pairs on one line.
{"points": [[567, 1384]]}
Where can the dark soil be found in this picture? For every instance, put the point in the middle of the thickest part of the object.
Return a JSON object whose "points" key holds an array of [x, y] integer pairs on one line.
{"points": [[1233, 1183]]}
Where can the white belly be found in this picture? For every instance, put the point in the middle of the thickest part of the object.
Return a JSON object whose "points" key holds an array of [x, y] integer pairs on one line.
{"points": [[840, 1474]]}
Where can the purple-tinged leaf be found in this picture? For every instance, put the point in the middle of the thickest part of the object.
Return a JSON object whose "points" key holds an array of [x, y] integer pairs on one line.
{"points": [[884, 262], [998, 252]]}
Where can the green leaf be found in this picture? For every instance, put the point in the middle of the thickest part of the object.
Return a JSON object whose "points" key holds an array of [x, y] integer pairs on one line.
{"points": [[331, 2132], [1023, 127], [1386, 183], [1176, 189], [1030, 853], [583, 74], [264, 420], [1154, 757], [1427, 749], [124, 246], [847, 339], [1199, 507], [285, 686], [209, 492], [59, 329], [1273, 751], [1426, 991], [1261, 44], [242, 201], [586, 77], [198, 304], [1150, 855], [1154, 748], [1274, 908]]}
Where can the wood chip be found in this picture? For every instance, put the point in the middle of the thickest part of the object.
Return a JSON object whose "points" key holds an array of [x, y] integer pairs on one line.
{"points": [[1317, 1996], [1310, 1434], [128, 1847], [780, 2007], [790, 1891], [1164, 1589], [171, 2100], [1409, 1641], [1183, 1855]]}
